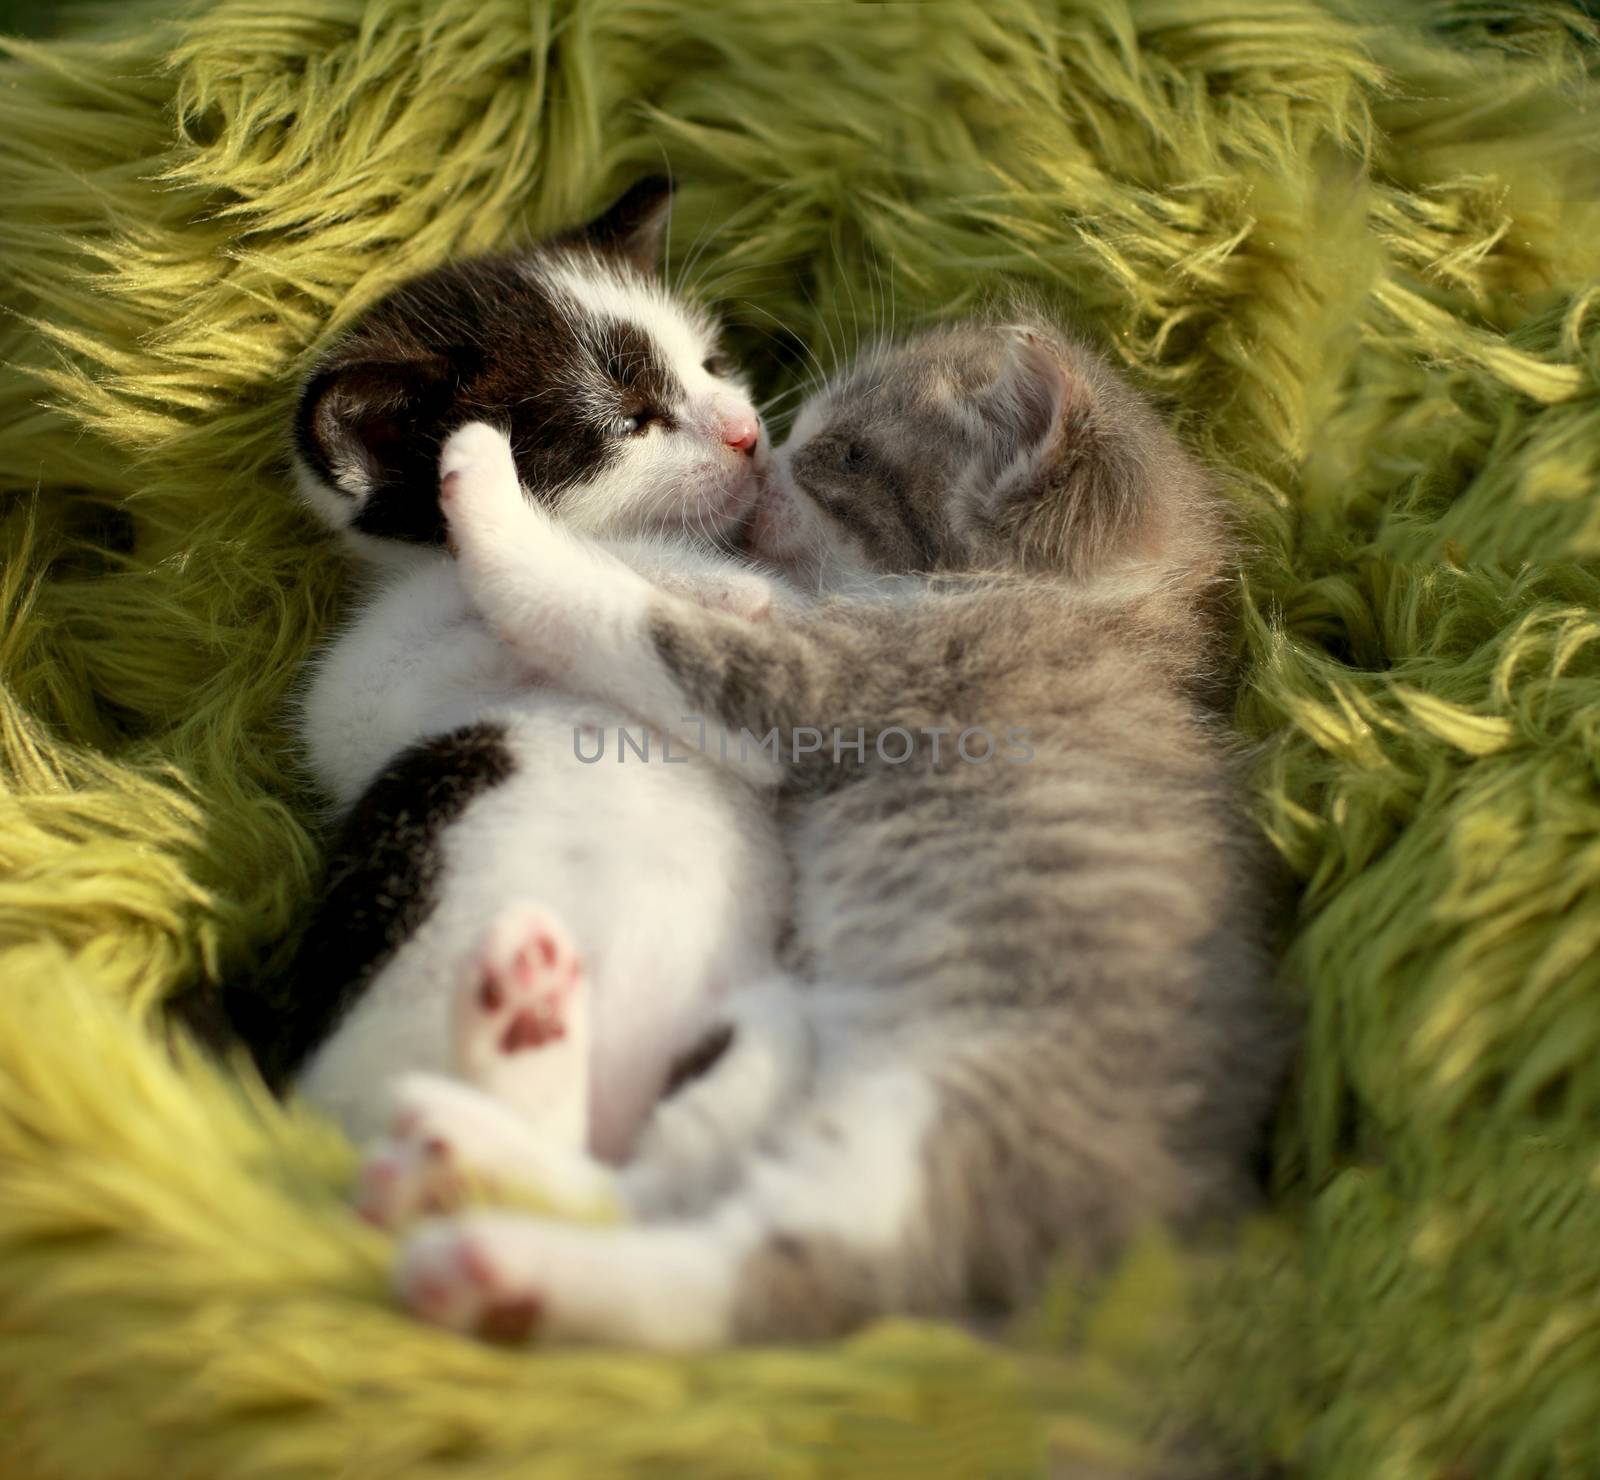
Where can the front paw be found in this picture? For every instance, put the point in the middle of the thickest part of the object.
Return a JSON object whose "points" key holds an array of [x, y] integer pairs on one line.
{"points": [[472, 456], [419, 1166], [480, 493]]}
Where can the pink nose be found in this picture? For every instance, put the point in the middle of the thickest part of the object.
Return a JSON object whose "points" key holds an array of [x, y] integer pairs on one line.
{"points": [[741, 432]]}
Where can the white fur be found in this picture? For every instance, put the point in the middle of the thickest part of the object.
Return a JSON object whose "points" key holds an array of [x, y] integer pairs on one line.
{"points": [[852, 1169], [669, 876], [442, 1132]]}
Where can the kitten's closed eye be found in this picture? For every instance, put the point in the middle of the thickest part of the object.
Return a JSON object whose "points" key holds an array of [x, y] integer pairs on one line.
{"points": [[718, 365], [634, 423], [853, 458]]}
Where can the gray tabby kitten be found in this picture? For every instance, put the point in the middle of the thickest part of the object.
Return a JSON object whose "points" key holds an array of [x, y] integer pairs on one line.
{"points": [[1030, 1006]]}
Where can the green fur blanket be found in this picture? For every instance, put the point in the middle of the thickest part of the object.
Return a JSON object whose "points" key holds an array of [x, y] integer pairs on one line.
{"points": [[1356, 252]]}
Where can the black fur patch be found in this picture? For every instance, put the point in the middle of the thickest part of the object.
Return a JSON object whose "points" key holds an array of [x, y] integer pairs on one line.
{"points": [[381, 884], [633, 226], [482, 340], [476, 341], [631, 361]]}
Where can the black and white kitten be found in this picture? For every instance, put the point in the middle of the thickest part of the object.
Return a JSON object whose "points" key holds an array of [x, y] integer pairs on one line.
{"points": [[490, 892], [1030, 1005]]}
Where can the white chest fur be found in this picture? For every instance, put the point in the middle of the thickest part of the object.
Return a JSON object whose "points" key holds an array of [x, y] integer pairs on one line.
{"points": [[669, 877]]}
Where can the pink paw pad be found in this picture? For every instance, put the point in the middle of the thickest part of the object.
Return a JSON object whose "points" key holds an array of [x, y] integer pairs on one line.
{"points": [[526, 982], [522, 1023], [513, 1320]]}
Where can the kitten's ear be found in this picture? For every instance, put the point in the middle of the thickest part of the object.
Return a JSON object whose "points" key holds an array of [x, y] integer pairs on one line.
{"points": [[368, 433], [1028, 399], [633, 227], [1070, 484], [1029, 405]]}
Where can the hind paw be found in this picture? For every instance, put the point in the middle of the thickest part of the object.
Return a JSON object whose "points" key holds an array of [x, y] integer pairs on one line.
{"points": [[522, 1019], [451, 1275], [449, 1143], [522, 989], [443, 1139]]}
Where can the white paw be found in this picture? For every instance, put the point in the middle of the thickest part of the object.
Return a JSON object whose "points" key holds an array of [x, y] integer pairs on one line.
{"points": [[444, 1138], [523, 993], [508, 550], [471, 455], [450, 1273], [449, 1143], [445, 1141], [479, 490]]}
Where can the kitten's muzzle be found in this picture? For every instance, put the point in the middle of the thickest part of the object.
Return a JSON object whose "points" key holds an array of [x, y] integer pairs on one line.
{"points": [[729, 421], [741, 431]]}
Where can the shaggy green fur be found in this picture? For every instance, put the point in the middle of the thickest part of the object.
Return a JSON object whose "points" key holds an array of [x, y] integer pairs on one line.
{"points": [[1359, 255]]}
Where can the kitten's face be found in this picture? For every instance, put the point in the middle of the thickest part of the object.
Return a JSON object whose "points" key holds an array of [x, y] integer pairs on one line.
{"points": [[624, 414], [978, 445]]}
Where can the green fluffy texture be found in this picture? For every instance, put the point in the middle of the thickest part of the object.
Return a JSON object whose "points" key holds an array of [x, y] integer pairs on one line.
{"points": [[1357, 255]]}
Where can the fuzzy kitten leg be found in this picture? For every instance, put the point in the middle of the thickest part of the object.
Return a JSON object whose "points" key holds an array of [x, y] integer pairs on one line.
{"points": [[714, 583], [445, 1137], [810, 1243], [593, 624], [522, 1024]]}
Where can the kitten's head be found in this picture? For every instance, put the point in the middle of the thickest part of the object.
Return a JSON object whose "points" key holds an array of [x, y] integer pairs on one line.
{"points": [[981, 446], [624, 413]]}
